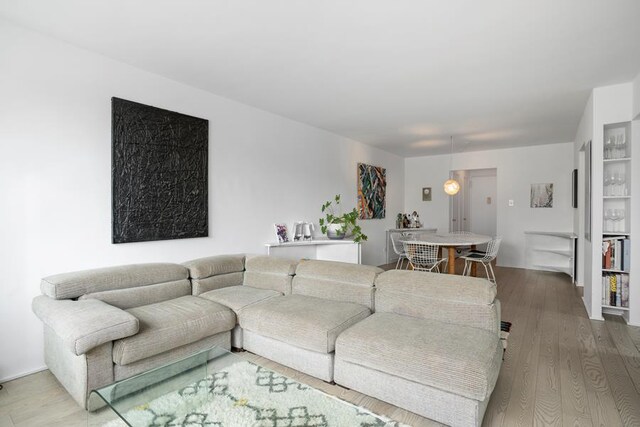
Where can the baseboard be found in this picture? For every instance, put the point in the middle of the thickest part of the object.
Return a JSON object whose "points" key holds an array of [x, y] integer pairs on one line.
{"points": [[24, 374]]}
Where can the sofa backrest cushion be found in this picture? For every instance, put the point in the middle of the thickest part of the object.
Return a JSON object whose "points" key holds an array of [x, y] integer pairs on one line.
{"points": [[215, 272], [338, 281], [78, 283], [270, 273], [142, 295], [447, 298]]}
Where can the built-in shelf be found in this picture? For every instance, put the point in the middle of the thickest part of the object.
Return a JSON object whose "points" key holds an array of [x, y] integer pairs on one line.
{"points": [[624, 159], [562, 252], [615, 308], [551, 251], [616, 132]]}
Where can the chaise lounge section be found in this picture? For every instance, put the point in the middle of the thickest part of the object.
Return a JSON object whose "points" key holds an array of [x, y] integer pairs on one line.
{"points": [[432, 346]]}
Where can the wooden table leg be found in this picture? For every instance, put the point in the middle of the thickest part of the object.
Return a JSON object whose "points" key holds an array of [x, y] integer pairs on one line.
{"points": [[452, 260], [474, 265]]}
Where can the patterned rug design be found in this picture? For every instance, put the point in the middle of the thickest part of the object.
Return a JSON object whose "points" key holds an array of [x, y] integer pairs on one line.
{"points": [[244, 394]]}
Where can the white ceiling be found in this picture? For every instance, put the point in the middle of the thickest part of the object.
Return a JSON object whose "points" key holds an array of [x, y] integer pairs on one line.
{"points": [[399, 75]]}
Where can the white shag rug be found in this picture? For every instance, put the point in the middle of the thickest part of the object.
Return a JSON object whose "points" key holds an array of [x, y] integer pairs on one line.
{"points": [[244, 394]]}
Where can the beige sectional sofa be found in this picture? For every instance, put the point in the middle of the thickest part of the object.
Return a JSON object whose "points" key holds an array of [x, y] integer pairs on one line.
{"points": [[423, 341]]}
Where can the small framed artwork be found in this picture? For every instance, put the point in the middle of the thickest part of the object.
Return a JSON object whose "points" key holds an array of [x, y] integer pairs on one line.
{"points": [[281, 232], [542, 195], [426, 194]]}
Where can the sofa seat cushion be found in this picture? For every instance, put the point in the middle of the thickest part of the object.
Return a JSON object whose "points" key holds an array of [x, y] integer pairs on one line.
{"points": [[170, 324], [457, 359], [239, 297], [307, 322]]}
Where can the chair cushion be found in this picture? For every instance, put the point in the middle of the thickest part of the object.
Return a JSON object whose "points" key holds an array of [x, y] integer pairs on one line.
{"points": [[307, 322], [170, 324], [457, 359], [239, 297]]}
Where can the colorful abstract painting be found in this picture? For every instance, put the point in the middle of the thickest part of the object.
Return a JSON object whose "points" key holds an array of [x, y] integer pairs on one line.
{"points": [[372, 189]]}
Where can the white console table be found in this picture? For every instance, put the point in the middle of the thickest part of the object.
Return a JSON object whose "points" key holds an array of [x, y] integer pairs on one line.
{"points": [[329, 250], [391, 255]]}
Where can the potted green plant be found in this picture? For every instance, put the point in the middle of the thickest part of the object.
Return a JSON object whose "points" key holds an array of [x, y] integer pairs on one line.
{"points": [[337, 226]]}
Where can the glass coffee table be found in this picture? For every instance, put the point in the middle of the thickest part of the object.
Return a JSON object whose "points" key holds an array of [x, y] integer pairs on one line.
{"points": [[216, 388]]}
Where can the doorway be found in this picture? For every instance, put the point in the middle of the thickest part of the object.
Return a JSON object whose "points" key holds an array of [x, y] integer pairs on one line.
{"points": [[474, 208]]}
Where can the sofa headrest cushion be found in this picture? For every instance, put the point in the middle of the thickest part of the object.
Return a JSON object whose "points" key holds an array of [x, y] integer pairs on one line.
{"points": [[78, 283], [271, 265], [450, 287], [353, 274], [202, 268]]}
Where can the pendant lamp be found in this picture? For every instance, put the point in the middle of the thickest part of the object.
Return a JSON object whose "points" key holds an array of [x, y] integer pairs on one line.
{"points": [[451, 186]]}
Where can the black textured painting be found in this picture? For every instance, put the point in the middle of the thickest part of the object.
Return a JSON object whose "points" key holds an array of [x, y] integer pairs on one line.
{"points": [[158, 173]]}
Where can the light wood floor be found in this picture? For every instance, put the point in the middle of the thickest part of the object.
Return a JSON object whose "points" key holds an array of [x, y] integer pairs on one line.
{"points": [[560, 368]]}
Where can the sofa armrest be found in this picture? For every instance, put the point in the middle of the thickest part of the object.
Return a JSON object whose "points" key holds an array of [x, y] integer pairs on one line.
{"points": [[84, 324]]}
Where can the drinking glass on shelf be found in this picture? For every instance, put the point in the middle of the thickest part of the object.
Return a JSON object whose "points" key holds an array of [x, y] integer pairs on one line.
{"points": [[612, 183], [607, 220], [608, 145], [621, 144], [607, 183], [621, 181], [620, 217], [613, 217]]}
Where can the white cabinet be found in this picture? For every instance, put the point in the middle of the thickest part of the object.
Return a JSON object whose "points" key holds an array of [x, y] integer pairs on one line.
{"points": [[325, 249]]}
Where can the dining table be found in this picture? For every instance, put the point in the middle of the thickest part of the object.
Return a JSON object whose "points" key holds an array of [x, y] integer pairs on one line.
{"points": [[449, 242]]}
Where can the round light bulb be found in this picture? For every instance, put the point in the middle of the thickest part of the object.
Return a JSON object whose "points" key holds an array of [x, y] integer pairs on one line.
{"points": [[451, 187]]}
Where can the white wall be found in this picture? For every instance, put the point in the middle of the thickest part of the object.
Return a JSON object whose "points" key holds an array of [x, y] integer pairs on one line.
{"points": [[584, 134], [517, 169], [636, 98], [55, 175]]}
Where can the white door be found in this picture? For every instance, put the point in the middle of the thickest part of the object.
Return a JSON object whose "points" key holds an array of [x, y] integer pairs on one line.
{"points": [[482, 204], [474, 208]]}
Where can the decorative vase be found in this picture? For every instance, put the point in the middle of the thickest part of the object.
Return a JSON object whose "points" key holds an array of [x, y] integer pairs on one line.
{"points": [[336, 231]]}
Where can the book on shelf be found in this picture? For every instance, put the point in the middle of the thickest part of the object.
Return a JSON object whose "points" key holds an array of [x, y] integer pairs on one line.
{"points": [[615, 290], [616, 253]]}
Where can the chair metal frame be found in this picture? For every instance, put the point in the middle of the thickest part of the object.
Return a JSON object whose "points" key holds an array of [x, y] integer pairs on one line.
{"points": [[401, 254], [424, 256], [485, 259]]}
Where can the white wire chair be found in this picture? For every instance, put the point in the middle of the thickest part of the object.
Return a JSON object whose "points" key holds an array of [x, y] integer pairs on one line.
{"points": [[483, 258], [423, 256], [398, 248]]}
